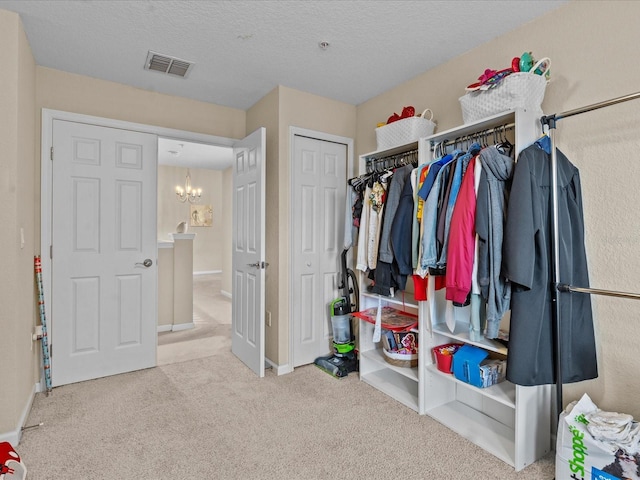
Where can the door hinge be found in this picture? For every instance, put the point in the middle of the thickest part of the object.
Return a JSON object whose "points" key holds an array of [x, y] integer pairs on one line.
{"points": [[51, 155], [51, 252], [51, 351]]}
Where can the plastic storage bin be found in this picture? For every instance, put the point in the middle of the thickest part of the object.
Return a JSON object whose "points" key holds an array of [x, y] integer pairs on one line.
{"points": [[470, 365], [444, 356]]}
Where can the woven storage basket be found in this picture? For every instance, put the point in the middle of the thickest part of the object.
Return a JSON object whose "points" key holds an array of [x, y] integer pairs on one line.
{"points": [[405, 131], [518, 90], [399, 359]]}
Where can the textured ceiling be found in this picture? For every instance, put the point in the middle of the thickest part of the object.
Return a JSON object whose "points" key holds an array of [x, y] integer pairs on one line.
{"points": [[243, 49]]}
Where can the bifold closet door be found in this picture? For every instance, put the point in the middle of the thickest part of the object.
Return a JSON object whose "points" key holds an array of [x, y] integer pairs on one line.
{"points": [[319, 179]]}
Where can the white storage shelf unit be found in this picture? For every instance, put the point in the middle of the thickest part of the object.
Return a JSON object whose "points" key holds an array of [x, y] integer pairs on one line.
{"points": [[400, 383], [510, 421]]}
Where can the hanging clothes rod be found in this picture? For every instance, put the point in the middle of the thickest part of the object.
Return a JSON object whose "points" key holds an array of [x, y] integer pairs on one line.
{"points": [[595, 291], [473, 136], [559, 116], [391, 161], [550, 122]]}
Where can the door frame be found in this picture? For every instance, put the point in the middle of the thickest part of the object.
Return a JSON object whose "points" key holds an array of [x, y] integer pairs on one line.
{"points": [[46, 174], [325, 137]]}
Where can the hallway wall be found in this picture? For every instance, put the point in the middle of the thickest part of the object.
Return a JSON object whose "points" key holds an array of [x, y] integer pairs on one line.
{"points": [[209, 242]]}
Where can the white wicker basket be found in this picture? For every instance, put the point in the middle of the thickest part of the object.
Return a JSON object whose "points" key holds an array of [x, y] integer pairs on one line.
{"points": [[405, 131], [518, 90]]}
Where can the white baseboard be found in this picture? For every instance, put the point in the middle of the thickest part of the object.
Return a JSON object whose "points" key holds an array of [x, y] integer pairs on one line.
{"points": [[225, 294], [183, 326], [176, 328], [279, 369], [13, 437], [206, 272]]}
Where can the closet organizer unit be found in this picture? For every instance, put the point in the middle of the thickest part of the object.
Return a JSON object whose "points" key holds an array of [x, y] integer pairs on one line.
{"points": [[509, 421]]}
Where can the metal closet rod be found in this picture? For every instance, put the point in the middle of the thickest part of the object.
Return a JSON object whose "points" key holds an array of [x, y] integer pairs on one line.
{"points": [[610, 293], [472, 136], [390, 160], [547, 119], [550, 120]]}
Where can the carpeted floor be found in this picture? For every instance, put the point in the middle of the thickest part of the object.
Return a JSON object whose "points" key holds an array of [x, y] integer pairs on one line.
{"points": [[212, 320], [212, 418]]}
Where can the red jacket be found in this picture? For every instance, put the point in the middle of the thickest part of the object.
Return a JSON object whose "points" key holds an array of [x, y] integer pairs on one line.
{"points": [[462, 239]]}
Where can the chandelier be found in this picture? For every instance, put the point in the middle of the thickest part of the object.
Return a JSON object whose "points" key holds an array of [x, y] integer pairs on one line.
{"points": [[188, 192]]}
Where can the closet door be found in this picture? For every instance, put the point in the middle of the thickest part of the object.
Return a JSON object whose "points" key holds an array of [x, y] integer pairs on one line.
{"points": [[319, 173]]}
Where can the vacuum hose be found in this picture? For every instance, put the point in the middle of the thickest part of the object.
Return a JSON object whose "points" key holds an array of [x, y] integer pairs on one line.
{"points": [[349, 285]]}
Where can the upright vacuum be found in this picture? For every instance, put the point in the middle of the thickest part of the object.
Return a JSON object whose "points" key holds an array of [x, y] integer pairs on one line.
{"points": [[344, 359]]}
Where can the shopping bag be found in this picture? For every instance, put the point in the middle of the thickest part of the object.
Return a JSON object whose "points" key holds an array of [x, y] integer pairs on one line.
{"points": [[579, 456]]}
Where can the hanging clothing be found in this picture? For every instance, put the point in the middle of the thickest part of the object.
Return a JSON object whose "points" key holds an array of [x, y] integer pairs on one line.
{"points": [[429, 241], [418, 177], [491, 209], [401, 233], [396, 186], [461, 251], [460, 168], [376, 198], [526, 263], [363, 232], [350, 230]]}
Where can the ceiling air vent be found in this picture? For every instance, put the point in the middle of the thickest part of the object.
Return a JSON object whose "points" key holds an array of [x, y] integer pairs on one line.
{"points": [[167, 64]]}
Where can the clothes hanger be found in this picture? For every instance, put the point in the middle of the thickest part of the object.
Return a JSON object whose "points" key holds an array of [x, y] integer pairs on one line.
{"points": [[504, 146]]}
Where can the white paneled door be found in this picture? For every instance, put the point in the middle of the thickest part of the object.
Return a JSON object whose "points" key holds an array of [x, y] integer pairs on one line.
{"points": [[318, 210], [103, 302], [248, 258]]}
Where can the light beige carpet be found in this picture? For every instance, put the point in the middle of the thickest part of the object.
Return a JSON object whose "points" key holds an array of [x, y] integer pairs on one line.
{"points": [[212, 418], [212, 320]]}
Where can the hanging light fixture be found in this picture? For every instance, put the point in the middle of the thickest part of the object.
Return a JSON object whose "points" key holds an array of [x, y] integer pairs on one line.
{"points": [[188, 192]]}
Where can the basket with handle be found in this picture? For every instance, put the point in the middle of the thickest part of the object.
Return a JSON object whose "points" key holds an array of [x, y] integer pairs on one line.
{"points": [[407, 360], [517, 90], [406, 130]]}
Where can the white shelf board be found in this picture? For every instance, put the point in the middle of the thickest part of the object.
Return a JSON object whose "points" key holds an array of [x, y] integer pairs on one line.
{"points": [[391, 151], [478, 428], [377, 357], [503, 392], [398, 387], [395, 300], [473, 127], [461, 333]]}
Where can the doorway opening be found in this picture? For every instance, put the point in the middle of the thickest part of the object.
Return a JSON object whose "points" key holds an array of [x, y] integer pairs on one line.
{"points": [[205, 327]]}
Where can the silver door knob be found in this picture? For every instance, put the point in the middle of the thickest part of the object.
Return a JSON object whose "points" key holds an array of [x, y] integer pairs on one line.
{"points": [[258, 265], [147, 263]]}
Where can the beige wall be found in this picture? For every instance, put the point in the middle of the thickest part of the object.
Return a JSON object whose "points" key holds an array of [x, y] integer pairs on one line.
{"points": [[165, 286], [79, 94], [227, 225], [280, 109], [68, 92], [592, 46], [265, 113], [208, 243], [20, 358]]}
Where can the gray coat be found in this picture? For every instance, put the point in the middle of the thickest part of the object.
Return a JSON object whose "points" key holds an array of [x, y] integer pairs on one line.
{"points": [[491, 210]]}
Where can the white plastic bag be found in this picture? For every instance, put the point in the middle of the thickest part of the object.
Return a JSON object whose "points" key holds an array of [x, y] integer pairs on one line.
{"points": [[579, 456]]}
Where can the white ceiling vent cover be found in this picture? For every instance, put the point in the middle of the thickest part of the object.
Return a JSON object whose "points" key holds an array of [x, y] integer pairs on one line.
{"points": [[167, 64]]}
